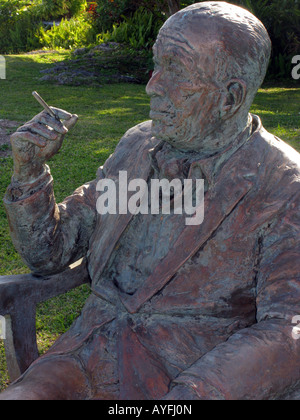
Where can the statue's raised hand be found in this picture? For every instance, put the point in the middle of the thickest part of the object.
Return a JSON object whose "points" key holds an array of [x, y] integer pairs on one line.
{"points": [[37, 141]]}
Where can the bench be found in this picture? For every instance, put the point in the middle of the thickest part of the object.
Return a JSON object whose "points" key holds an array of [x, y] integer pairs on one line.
{"points": [[19, 296]]}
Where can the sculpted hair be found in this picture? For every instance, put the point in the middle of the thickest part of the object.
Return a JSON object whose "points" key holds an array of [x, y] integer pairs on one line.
{"points": [[240, 43]]}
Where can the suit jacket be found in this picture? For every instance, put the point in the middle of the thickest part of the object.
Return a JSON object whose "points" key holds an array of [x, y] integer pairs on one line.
{"points": [[215, 314]]}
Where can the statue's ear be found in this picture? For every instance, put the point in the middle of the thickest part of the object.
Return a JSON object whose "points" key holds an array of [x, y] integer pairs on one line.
{"points": [[234, 96]]}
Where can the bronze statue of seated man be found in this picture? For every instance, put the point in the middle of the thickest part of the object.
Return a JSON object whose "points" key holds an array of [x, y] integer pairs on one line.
{"points": [[177, 311]]}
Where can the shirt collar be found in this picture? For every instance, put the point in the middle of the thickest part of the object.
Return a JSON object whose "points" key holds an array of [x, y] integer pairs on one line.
{"points": [[170, 163]]}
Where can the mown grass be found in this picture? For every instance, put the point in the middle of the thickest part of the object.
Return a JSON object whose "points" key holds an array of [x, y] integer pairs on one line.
{"points": [[105, 114]]}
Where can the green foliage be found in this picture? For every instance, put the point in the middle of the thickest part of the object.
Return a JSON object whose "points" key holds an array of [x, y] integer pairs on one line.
{"points": [[186, 3], [137, 34], [76, 7], [109, 12], [21, 27], [138, 31], [72, 33], [18, 26], [55, 9]]}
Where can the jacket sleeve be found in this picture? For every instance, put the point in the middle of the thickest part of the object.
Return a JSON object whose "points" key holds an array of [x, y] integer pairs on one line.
{"points": [[49, 237], [263, 361]]}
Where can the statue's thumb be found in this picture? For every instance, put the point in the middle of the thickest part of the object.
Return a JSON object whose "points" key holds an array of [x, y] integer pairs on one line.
{"points": [[71, 122]]}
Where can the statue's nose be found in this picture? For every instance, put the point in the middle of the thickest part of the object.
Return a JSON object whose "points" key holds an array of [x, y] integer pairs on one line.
{"points": [[156, 85]]}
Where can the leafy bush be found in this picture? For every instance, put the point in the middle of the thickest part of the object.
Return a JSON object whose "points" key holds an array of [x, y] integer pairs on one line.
{"points": [[55, 9], [139, 31], [76, 7], [21, 27], [109, 12], [18, 26], [73, 33]]}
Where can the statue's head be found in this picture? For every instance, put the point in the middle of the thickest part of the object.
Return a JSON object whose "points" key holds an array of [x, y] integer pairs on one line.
{"points": [[210, 60]]}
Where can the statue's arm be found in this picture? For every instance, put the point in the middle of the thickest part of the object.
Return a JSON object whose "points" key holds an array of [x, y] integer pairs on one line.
{"points": [[263, 361], [258, 363], [48, 236]]}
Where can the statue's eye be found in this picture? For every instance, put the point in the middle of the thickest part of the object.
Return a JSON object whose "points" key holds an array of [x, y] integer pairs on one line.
{"points": [[173, 67]]}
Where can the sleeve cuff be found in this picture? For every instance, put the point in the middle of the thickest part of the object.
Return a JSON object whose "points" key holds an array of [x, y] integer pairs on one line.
{"points": [[20, 191]]}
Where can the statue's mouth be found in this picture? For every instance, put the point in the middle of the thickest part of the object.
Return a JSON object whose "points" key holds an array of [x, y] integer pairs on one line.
{"points": [[164, 116]]}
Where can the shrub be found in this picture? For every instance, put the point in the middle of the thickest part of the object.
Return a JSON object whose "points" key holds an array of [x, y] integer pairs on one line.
{"points": [[56, 9], [18, 26], [76, 7], [73, 33], [138, 31], [21, 27], [109, 12]]}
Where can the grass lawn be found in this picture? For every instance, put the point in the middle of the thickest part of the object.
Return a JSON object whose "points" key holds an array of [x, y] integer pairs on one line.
{"points": [[105, 114]]}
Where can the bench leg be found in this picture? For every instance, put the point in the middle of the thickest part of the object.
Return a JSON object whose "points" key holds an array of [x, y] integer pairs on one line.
{"points": [[20, 344]]}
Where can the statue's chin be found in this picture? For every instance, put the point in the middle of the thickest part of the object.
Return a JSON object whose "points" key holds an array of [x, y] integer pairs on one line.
{"points": [[163, 132]]}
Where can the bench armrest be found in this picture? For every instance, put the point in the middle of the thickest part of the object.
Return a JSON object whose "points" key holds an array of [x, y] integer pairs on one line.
{"points": [[19, 296]]}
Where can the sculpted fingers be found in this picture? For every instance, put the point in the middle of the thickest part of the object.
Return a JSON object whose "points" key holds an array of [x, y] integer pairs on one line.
{"points": [[52, 122], [71, 122], [44, 130], [62, 127], [38, 128], [27, 136], [69, 119], [61, 114]]}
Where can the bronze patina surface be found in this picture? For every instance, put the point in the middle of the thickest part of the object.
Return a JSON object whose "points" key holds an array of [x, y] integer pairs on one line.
{"points": [[177, 312]]}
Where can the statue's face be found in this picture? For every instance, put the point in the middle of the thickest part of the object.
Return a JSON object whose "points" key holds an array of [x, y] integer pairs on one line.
{"points": [[184, 102]]}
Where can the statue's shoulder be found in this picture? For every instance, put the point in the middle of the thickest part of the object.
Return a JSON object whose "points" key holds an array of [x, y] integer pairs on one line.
{"points": [[131, 148], [279, 153], [143, 129], [272, 151], [278, 173]]}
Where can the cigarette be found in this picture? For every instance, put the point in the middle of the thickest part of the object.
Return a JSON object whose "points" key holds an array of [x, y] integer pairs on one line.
{"points": [[44, 105]]}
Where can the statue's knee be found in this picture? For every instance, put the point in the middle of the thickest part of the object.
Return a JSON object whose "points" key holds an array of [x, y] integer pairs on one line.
{"points": [[53, 379], [18, 392]]}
